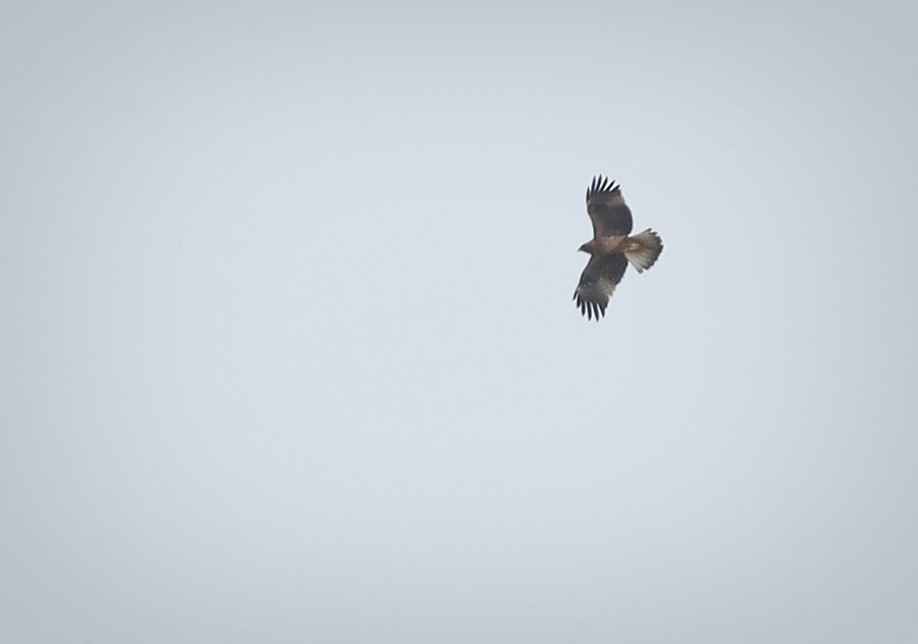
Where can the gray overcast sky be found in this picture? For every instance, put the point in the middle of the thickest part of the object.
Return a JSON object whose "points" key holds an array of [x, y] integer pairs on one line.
{"points": [[287, 351]]}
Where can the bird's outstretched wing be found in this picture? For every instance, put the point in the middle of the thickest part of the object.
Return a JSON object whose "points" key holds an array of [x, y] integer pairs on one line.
{"points": [[607, 208], [597, 282]]}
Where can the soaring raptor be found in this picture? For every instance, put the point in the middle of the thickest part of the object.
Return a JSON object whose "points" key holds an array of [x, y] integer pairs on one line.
{"points": [[611, 247]]}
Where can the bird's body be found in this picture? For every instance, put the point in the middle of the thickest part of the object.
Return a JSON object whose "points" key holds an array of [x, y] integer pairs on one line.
{"points": [[604, 245], [612, 247]]}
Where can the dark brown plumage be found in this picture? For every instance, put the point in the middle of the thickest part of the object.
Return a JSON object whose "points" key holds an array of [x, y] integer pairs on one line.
{"points": [[611, 248]]}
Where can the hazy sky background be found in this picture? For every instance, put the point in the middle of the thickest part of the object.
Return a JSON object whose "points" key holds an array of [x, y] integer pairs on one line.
{"points": [[287, 351]]}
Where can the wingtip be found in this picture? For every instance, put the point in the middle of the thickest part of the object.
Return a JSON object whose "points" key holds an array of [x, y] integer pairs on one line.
{"points": [[590, 310], [601, 183]]}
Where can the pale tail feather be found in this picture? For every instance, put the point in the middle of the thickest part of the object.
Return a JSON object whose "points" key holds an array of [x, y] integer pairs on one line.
{"points": [[643, 249]]}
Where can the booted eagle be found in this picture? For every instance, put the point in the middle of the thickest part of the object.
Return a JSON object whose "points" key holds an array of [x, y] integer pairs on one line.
{"points": [[611, 247]]}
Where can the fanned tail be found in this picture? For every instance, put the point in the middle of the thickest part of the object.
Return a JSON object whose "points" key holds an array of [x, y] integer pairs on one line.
{"points": [[643, 249]]}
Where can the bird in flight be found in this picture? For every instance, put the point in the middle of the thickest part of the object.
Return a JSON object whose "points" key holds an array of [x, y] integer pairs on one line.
{"points": [[611, 248]]}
